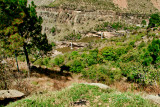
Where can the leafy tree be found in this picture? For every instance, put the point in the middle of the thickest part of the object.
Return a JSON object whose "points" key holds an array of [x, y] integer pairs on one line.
{"points": [[152, 54], [154, 21], [21, 28]]}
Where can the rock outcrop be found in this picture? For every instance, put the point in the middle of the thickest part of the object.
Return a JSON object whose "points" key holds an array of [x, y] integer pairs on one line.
{"points": [[65, 21], [10, 94]]}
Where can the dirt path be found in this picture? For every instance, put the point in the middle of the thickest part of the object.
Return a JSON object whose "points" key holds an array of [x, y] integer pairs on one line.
{"points": [[121, 3], [156, 3]]}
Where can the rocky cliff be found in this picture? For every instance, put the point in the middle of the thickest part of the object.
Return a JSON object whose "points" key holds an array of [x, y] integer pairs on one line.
{"points": [[65, 21]]}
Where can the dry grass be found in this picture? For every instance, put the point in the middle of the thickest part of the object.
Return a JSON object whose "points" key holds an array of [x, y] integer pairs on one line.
{"points": [[143, 6]]}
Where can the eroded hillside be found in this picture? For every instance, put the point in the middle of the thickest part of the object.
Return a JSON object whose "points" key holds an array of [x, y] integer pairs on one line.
{"points": [[82, 16]]}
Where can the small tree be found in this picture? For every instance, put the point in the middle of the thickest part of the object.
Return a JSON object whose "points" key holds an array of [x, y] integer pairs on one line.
{"points": [[21, 28], [154, 21], [152, 54]]}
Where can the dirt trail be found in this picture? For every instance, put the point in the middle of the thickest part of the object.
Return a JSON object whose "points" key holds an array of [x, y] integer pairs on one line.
{"points": [[121, 3], [156, 3]]}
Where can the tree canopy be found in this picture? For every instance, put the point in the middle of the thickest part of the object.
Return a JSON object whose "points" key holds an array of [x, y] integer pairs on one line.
{"points": [[154, 21], [20, 28]]}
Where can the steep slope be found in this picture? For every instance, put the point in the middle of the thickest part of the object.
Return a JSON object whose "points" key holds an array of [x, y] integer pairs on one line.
{"points": [[83, 15], [141, 6], [156, 4], [121, 3]]}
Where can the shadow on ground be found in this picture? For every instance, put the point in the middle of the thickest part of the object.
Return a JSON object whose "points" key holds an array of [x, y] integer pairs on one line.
{"points": [[58, 75]]}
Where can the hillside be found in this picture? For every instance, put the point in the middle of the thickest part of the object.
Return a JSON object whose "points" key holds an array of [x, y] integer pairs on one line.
{"points": [[55, 59], [84, 95], [82, 16], [131, 6]]}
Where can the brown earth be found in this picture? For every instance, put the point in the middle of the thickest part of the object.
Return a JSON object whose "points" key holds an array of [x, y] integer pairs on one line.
{"points": [[156, 3], [121, 3]]}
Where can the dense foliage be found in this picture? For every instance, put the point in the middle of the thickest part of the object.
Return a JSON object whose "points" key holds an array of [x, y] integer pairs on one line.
{"points": [[20, 28]]}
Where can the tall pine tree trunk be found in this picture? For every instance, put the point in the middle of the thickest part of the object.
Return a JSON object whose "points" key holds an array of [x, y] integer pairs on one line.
{"points": [[27, 59], [16, 61]]}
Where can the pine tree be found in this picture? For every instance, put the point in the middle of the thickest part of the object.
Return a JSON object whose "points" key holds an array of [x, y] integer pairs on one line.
{"points": [[21, 28]]}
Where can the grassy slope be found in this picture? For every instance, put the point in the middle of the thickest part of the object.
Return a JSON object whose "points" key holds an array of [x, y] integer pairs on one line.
{"points": [[134, 6], [85, 4], [142, 6], [93, 96]]}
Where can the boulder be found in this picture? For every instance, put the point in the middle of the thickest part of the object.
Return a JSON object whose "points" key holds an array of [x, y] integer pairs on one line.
{"points": [[10, 94], [100, 85]]}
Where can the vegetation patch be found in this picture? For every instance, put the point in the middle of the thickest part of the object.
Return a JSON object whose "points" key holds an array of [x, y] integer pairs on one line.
{"points": [[91, 95]]}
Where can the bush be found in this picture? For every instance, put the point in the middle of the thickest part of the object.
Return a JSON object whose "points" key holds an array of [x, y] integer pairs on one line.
{"points": [[109, 53], [74, 54], [103, 73], [99, 28], [132, 70], [130, 56], [152, 53], [53, 44], [38, 62], [143, 23], [46, 61], [92, 57], [58, 60], [112, 54], [141, 45], [21, 58], [73, 36], [147, 59], [105, 24], [154, 21], [76, 66], [53, 30], [117, 25]]}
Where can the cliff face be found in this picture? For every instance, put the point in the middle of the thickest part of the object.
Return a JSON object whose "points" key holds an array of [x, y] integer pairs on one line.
{"points": [[65, 21]]}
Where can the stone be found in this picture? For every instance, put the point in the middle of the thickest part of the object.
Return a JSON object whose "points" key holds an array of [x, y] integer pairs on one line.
{"points": [[10, 94], [100, 85], [154, 98]]}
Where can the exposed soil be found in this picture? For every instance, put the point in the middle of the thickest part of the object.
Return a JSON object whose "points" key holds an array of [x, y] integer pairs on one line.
{"points": [[121, 3], [156, 3]]}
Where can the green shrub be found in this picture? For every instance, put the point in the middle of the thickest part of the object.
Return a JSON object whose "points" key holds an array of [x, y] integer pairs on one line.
{"points": [[141, 45], [59, 60], [105, 24], [152, 53], [46, 61], [73, 36], [38, 62], [76, 66], [21, 58], [147, 59], [132, 44], [151, 35], [53, 30], [135, 72], [103, 73], [143, 22], [130, 56], [92, 57], [154, 21], [117, 25], [74, 54], [113, 54], [53, 44], [109, 53]]}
